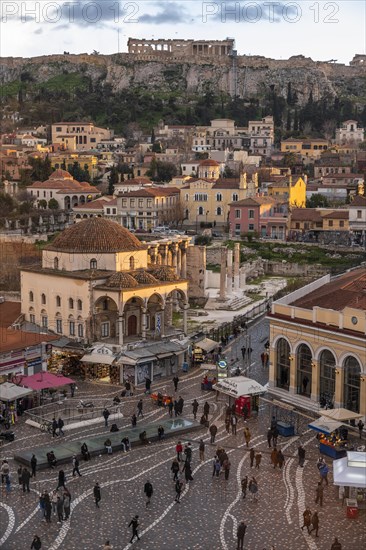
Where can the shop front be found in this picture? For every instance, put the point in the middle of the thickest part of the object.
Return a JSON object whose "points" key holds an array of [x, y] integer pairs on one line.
{"points": [[99, 364], [349, 474]]}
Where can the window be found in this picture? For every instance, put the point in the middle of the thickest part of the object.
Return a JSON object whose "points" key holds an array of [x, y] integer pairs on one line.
{"points": [[327, 374], [352, 376], [237, 214], [140, 203], [43, 298], [72, 328], [80, 305], [58, 301], [359, 214], [44, 321], [297, 225], [108, 210], [218, 197], [32, 318], [186, 198], [251, 227], [59, 326], [341, 223], [80, 331], [114, 210], [200, 197], [149, 203], [124, 203], [31, 296], [132, 202], [71, 303], [200, 211], [283, 364], [93, 263], [237, 229], [105, 329], [303, 370], [330, 223], [219, 211], [251, 214], [235, 197], [92, 140], [132, 262]]}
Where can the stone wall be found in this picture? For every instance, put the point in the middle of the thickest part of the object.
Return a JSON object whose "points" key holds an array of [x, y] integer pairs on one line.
{"points": [[293, 270], [196, 271]]}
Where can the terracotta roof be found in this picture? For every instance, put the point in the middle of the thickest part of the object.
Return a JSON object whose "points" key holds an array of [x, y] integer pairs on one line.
{"points": [[11, 339], [144, 278], [254, 201], [359, 201], [229, 183], [152, 192], [337, 215], [121, 280], [92, 205], [9, 312], [306, 215], [60, 174], [209, 162], [95, 235], [164, 273], [348, 290]]}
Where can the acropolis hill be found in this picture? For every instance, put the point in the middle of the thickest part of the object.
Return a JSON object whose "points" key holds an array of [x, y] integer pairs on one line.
{"points": [[186, 67]]}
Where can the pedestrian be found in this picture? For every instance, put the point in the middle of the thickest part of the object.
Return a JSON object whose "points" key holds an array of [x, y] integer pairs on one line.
{"points": [[85, 451], [180, 405], [170, 407], [5, 470], [336, 545], [213, 432], [54, 427], [175, 382], [234, 422], [8, 484], [36, 543], [274, 457], [195, 408], [245, 411], [61, 479], [60, 509], [307, 519], [280, 459], [60, 425], [175, 469], [202, 450], [178, 490], [41, 505], [33, 463], [258, 458], [160, 432], [148, 490], [176, 408], [301, 454], [227, 424], [72, 389], [216, 467], [75, 466], [139, 408], [315, 524], [105, 414], [125, 442], [240, 533], [324, 474], [360, 426], [107, 545], [26, 475], [262, 358], [147, 385], [275, 435], [20, 473], [206, 410], [47, 507], [188, 453], [179, 450], [226, 467], [244, 486], [253, 487], [54, 496], [269, 437], [319, 492], [187, 471], [134, 523], [247, 436], [97, 494], [251, 456], [134, 420], [67, 503]]}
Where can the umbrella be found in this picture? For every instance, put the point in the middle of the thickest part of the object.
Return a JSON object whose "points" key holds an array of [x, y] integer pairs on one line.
{"points": [[325, 425], [341, 414]]}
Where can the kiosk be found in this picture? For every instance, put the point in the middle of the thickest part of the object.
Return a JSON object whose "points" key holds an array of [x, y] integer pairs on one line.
{"points": [[241, 390]]}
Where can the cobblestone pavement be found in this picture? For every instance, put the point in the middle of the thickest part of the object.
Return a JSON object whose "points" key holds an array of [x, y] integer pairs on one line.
{"points": [[210, 508]]}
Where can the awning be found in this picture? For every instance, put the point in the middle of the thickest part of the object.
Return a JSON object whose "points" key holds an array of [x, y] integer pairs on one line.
{"points": [[239, 385], [325, 425], [165, 355], [341, 414], [11, 392], [350, 476], [207, 344], [45, 380], [98, 358]]}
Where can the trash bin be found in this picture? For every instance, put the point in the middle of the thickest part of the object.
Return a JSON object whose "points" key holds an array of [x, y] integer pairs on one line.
{"points": [[351, 508]]}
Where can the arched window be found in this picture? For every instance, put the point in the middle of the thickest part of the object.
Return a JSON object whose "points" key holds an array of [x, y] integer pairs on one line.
{"points": [[55, 263], [219, 211], [71, 303], [80, 305], [327, 375], [352, 377], [44, 319], [303, 370], [81, 331], [58, 301], [43, 299], [218, 197], [283, 364], [235, 197], [132, 262], [31, 296], [93, 263], [200, 211]]}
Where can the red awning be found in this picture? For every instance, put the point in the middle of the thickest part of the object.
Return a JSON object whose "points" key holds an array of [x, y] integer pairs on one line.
{"points": [[45, 380]]}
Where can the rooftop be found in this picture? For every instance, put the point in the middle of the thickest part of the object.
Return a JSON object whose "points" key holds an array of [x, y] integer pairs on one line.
{"points": [[11, 339]]}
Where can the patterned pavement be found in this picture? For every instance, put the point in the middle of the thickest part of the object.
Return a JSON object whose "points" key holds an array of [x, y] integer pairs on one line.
{"points": [[210, 508]]}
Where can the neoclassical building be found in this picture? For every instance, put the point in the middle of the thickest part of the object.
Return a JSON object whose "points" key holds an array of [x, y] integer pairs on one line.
{"points": [[318, 343], [99, 283]]}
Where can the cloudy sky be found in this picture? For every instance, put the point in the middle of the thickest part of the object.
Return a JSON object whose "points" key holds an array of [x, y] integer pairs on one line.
{"points": [[322, 30]]}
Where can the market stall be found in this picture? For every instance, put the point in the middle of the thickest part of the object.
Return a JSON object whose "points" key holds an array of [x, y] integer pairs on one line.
{"points": [[45, 382], [331, 436], [242, 391], [98, 364], [349, 474], [14, 400]]}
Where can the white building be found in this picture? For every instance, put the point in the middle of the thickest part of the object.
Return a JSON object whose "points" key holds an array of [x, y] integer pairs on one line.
{"points": [[349, 132]]}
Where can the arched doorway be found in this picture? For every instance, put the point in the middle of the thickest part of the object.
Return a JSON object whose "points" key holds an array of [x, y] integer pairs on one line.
{"points": [[303, 370], [327, 364], [351, 387], [283, 364], [132, 325]]}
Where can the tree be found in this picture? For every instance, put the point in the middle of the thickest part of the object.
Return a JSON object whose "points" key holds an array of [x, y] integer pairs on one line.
{"points": [[78, 173], [317, 200], [41, 169], [153, 136], [156, 147], [53, 204], [7, 204], [42, 204], [112, 179], [228, 173]]}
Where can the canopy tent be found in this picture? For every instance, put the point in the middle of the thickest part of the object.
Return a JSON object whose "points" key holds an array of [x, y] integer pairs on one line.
{"points": [[207, 344], [341, 414], [239, 385], [45, 380], [351, 470], [325, 425], [12, 392], [98, 358]]}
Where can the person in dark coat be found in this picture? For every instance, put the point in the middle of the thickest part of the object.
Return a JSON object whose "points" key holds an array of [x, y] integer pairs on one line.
{"points": [[97, 494], [187, 471], [315, 524], [307, 519], [240, 533], [60, 509], [75, 466], [26, 475], [170, 408], [133, 420], [134, 523], [195, 408], [148, 490], [105, 414], [206, 410], [139, 408], [36, 543], [178, 490], [61, 479], [54, 427], [147, 385], [251, 456], [85, 451], [319, 493], [244, 486], [336, 545], [188, 452], [301, 454], [60, 425], [33, 463], [269, 437], [175, 469], [360, 426], [213, 432], [47, 507], [175, 382], [245, 411], [180, 405]]}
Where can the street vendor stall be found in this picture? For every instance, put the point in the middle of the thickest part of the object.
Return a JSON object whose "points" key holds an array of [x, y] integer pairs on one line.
{"points": [[43, 381], [331, 442], [242, 391], [349, 474], [13, 400]]}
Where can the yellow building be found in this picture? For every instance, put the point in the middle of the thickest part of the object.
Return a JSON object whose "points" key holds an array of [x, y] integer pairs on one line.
{"points": [[292, 189], [318, 343], [66, 160], [308, 148], [318, 219]]}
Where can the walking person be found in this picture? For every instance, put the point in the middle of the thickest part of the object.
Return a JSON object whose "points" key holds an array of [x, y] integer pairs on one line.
{"points": [[170, 408], [244, 486], [61, 479], [269, 437], [226, 467], [251, 456], [247, 436], [234, 422], [324, 470], [147, 385], [240, 533], [26, 475], [54, 427], [47, 507], [258, 459], [195, 408], [245, 412], [148, 490], [360, 426], [60, 509], [216, 467], [36, 543], [315, 524], [134, 420], [60, 425], [274, 457], [213, 432], [178, 490], [253, 487], [105, 414], [336, 545], [275, 435], [179, 450], [67, 503], [175, 469], [33, 463], [301, 454], [319, 493], [134, 523], [180, 404], [97, 494], [20, 472], [307, 520], [139, 409], [75, 466], [202, 450], [54, 496], [206, 410], [280, 459], [175, 382], [227, 424], [187, 471]]}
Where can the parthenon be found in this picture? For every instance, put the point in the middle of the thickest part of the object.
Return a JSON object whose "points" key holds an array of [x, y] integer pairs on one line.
{"points": [[182, 47]]}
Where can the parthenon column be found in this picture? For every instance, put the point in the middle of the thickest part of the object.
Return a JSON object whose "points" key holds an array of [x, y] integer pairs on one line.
{"points": [[236, 265], [229, 280], [223, 274]]}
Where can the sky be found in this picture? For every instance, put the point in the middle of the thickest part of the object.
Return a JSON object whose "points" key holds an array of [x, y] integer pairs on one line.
{"points": [[322, 30]]}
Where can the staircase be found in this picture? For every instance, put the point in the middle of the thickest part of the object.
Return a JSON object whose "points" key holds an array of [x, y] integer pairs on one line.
{"points": [[297, 401]]}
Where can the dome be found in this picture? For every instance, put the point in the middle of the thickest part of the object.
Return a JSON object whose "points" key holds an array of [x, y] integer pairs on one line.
{"points": [[121, 280], [95, 235], [60, 175], [144, 278], [164, 273]]}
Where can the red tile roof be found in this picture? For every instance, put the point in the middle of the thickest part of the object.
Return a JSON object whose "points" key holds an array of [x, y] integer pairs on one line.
{"points": [[359, 201], [305, 214], [11, 339], [337, 215], [254, 201], [9, 312]]}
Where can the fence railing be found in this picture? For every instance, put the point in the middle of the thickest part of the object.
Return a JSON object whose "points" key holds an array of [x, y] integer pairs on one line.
{"points": [[70, 412]]}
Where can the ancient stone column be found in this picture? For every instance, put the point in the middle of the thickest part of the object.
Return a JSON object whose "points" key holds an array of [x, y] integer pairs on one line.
{"points": [[223, 274], [183, 270], [229, 279], [120, 330], [185, 319], [143, 323], [236, 266]]}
